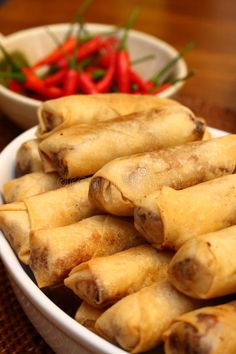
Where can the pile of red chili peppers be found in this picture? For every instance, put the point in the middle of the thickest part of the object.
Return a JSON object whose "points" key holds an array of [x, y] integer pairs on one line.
{"points": [[87, 64]]}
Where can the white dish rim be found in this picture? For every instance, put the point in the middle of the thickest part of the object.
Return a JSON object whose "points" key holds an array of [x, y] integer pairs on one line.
{"points": [[58, 317]]}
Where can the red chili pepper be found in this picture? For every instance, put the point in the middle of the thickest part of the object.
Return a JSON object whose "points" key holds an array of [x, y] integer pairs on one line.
{"points": [[122, 71], [67, 47], [161, 88], [123, 59], [86, 84], [149, 85], [90, 47], [136, 79], [105, 83], [51, 92], [63, 63], [71, 82], [32, 81], [15, 86], [55, 79]]}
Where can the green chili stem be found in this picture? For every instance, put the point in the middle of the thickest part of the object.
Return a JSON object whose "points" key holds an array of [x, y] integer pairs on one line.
{"points": [[128, 26], [9, 59], [98, 74], [143, 59], [156, 78], [12, 75], [187, 76]]}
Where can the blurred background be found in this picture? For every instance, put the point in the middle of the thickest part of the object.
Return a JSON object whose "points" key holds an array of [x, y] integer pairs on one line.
{"points": [[211, 23]]}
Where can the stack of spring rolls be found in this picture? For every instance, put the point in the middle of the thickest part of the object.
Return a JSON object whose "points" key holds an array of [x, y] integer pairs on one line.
{"points": [[126, 201]]}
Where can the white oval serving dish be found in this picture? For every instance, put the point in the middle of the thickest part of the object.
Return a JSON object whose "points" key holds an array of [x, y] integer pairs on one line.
{"points": [[60, 331]]}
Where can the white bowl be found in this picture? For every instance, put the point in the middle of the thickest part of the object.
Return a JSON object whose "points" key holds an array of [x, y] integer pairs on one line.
{"points": [[35, 43], [61, 332]]}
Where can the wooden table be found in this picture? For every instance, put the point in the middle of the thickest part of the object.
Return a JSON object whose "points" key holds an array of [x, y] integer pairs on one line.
{"points": [[210, 94]]}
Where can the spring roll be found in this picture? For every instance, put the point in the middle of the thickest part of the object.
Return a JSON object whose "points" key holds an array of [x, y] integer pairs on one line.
{"points": [[205, 267], [28, 159], [71, 151], [207, 135], [105, 280], [60, 207], [138, 321], [55, 252], [15, 226], [64, 112], [87, 315], [30, 184], [169, 218], [117, 187], [209, 330]]}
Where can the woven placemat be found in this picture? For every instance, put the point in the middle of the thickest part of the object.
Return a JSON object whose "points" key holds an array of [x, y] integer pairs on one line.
{"points": [[17, 335]]}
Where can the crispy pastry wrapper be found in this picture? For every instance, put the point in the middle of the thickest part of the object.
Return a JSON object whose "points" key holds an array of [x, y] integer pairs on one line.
{"points": [[209, 330], [71, 152], [27, 158], [169, 218], [60, 207], [55, 252], [15, 226], [64, 112], [105, 280], [87, 315], [205, 267], [117, 187], [138, 321], [34, 183]]}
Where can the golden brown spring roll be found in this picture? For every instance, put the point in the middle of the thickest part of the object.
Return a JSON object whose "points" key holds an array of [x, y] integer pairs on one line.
{"points": [[87, 315], [15, 226], [118, 186], [30, 184], [28, 159], [138, 321], [55, 252], [205, 267], [209, 330], [207, 135], [169, 218], [105, 280], [64, 112], [51, 209], [71, 151]]}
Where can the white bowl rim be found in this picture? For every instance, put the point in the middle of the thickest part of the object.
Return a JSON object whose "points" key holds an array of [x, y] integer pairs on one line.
{"points": [[182, 67], [52, 312]]}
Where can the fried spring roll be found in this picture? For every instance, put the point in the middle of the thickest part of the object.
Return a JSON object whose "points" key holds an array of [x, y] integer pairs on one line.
{"points": [[55, 252], [169, 218], [207, 135], [205, 267], [117, 187], [209, 330], [15, 226], [51, 209], [87, 315], [64, 112], [138, 321], [71, 151], [30, 184], [28, 159], [105, 280]]}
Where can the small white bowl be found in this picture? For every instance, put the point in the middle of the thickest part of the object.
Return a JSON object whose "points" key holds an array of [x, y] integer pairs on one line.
{"points": [[35, 43], [61, 332]]}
